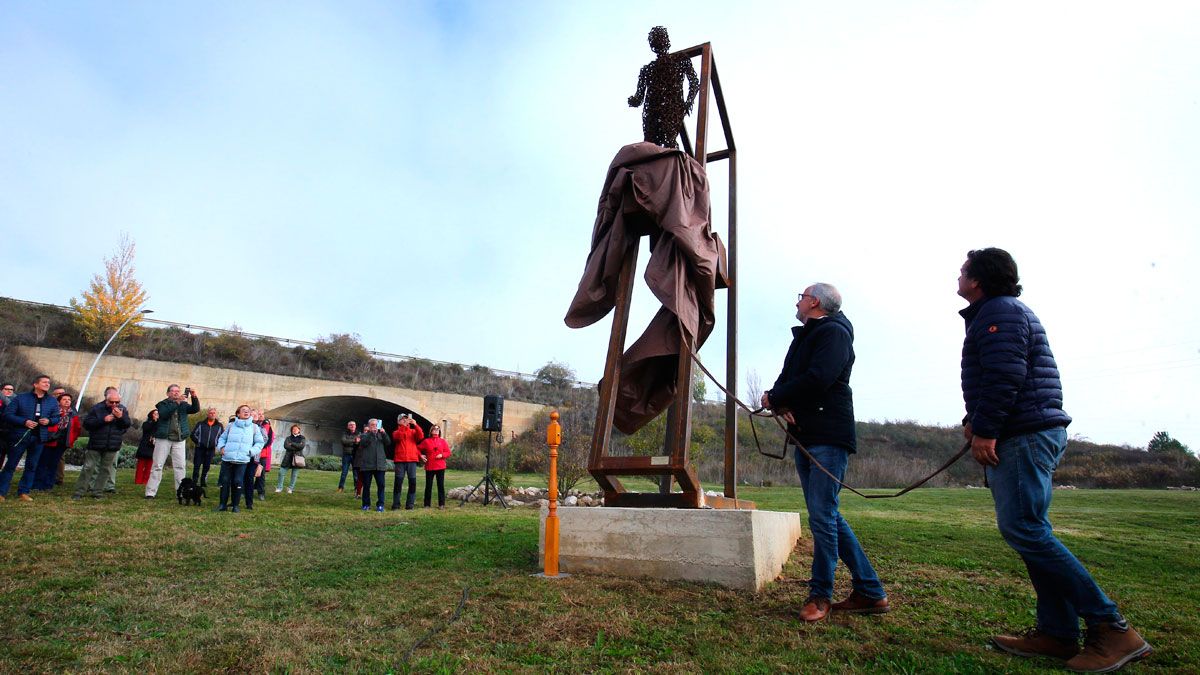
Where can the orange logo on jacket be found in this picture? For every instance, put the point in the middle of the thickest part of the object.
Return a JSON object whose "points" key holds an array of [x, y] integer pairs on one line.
{"points": [[993, 329]]}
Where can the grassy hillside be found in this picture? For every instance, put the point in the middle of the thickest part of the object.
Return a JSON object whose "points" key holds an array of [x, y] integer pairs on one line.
{"points": [[308, 583]]}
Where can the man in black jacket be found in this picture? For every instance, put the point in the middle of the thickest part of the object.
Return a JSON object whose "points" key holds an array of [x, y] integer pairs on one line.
{"points": [[813, 394], [204, 436], [106, 423], [1018, 432]]}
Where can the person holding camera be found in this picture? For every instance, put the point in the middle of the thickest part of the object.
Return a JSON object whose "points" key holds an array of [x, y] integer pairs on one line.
{"points": [[372, 462], [405, 439], [106, 423], [171, 436]]}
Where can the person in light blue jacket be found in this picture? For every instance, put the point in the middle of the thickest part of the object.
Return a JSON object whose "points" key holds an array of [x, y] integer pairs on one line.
{"points": [[241, 442]]}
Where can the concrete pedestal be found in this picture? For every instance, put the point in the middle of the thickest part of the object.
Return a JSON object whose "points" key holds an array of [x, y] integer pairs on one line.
{"points": [[733, 548]]}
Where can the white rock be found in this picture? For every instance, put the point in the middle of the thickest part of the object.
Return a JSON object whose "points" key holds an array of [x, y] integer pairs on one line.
{"points": [[571, 500]]}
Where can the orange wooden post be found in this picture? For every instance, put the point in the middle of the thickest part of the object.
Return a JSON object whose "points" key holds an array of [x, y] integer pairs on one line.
{"points": [[553, 439]]}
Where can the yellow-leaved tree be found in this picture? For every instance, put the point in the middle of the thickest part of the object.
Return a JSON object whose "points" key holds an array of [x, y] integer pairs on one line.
{"points": [[111, 298]]}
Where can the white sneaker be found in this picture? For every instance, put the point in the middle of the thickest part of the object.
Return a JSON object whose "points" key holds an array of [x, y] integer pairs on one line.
{"points": [[289, 491], [278, 490]]}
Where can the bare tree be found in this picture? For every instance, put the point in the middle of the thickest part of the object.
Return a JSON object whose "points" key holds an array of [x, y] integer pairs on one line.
{"points": [[754, 388]]}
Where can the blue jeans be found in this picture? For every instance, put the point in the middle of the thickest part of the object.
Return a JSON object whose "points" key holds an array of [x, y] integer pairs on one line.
{"points": [[283, 472], [378, 476], [1021, 488], [405, 470], [832, 536], [347, 465], [46, 476], [31, 446], [230, 481]]}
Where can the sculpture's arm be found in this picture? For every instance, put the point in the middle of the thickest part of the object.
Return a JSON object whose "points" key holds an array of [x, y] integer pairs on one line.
{"points": [[693, 85], [640, 95]]}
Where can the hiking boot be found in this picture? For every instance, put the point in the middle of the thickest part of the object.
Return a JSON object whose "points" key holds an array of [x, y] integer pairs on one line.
{"points": [[1035, 643], [235, 508], [341, 489], [815, 609], [25, 498], [1107, 648], [858, 603], [366, 508], [379, 508]]}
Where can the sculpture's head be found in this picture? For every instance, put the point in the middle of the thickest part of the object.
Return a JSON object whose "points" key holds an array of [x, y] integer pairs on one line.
{"points": [[660, 43]]}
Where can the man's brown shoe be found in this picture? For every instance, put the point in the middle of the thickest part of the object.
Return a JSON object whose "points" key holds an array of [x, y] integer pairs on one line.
{"points": [[1033, 642], [815, 609], [341, 489], [858, 603], [1108, 648], [25, 498]]}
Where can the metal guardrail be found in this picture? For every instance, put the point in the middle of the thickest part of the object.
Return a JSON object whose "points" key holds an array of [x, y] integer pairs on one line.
{"points": [[290, 342]]}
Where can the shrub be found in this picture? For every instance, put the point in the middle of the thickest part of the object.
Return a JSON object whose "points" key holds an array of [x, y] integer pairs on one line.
{"points": [[323, 463]]}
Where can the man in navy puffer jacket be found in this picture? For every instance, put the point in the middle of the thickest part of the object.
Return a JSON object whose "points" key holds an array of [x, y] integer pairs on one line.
{"points": [[1017, 429]]}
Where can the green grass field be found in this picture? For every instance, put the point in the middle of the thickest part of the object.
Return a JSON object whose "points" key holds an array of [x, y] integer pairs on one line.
{"points": [[308, 583]]}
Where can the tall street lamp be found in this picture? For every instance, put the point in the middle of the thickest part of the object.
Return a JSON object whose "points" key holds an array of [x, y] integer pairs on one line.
{"points": [[102, 350]]}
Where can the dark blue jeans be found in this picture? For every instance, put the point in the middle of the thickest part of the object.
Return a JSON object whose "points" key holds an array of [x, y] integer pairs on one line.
{"points": [[403, 470], [347, 465], [379, 481], [31, 447], [832, 536], [230, 481], [201, 460], [1021, 488], [46, 476]]}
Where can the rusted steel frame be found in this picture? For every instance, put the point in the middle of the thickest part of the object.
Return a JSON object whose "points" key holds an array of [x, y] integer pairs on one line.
{"points": [[702, 116], [602, 435], [721, 110], [731, 331]]}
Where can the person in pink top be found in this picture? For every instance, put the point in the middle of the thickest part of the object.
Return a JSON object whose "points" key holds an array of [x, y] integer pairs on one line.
{"points": [[434, 453]]}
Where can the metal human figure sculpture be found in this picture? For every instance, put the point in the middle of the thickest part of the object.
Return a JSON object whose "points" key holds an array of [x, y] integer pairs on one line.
{"points": [[660, 85]]}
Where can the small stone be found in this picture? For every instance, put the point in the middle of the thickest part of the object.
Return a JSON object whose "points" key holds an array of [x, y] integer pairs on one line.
{"points": [[571, 500], [543, 502]]}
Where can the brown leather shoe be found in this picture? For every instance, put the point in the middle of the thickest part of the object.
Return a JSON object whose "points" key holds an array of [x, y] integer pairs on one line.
{"points": [[858, 603], [1107, 648], [25, 498], [815, 609], [1036, 643]]}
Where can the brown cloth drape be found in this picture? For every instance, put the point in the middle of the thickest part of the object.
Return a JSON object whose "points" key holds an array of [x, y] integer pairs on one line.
{"points": [[663, 193]]}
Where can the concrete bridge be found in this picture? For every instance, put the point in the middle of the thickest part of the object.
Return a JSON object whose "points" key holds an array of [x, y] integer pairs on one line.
{"points": [[320, 407]]}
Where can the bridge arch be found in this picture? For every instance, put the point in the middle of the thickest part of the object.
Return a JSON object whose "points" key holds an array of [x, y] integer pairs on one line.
{"points": [[322, 419]]}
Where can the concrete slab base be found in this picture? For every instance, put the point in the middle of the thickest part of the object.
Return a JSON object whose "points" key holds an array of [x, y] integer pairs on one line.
{"points": [[740, 549]]}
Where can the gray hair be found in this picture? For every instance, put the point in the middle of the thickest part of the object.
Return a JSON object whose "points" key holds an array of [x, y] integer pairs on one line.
{"points": [[828, 296]]}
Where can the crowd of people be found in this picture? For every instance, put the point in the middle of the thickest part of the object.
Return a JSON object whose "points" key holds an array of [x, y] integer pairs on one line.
{"points": [[40, 425]]}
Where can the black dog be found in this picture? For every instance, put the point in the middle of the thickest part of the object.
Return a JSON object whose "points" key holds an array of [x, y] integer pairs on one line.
{"points": [[189, 492]]}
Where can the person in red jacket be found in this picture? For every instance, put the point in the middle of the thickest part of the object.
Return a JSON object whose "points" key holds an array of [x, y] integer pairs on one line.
{"points": [[405, 439], [62, 438], [434, 452]]}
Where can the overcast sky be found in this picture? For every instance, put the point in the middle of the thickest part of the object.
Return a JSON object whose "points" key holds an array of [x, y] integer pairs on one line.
{"points": [[426, 175]]}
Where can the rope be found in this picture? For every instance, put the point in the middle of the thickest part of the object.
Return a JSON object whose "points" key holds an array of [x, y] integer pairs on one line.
{"points": [[433, 631], [763, 412]]}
